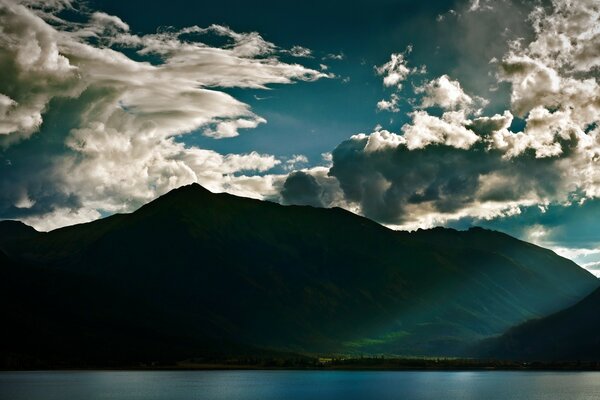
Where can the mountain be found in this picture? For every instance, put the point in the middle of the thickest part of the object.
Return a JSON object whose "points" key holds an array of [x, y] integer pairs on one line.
{"points": [[570, 334], [54, 318], [202, 273], [15, 230]]}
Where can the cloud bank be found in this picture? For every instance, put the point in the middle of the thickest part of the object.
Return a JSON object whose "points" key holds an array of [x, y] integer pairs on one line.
{"points": [[131, 97], [452, 162]]}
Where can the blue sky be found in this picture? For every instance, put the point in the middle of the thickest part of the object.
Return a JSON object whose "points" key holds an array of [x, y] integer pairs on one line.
{"points": [[414, 114]]}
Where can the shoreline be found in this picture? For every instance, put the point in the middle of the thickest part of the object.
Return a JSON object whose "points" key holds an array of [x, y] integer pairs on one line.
{"points": [[398, 366]]}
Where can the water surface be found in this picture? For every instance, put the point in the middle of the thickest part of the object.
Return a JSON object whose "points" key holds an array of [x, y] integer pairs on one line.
{"points": [[298, 385]]}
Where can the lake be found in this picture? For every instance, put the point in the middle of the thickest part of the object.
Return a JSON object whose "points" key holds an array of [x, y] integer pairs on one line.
{"points": [[296, 385]]}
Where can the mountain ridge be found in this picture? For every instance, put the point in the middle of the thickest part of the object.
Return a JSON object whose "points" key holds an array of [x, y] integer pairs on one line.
{"points": [[306, 280]]}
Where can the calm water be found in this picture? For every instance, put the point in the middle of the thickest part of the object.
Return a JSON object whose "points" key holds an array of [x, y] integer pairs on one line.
{"points": [[294, 385]]}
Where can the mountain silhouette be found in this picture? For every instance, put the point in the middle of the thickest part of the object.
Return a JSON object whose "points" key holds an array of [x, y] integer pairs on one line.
{"points": [[197, 274]]}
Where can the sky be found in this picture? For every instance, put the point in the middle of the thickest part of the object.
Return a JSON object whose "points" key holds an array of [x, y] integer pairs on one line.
{"points": [[413, 114]]}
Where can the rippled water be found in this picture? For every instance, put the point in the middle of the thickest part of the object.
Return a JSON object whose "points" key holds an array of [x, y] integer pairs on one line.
{"points": [[294, 385]]}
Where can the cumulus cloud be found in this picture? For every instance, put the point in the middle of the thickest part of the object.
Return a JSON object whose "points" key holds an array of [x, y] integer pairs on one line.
{"points": [[295, 161], [463, 165], [394, 73], [122, 145], [449, 130], [312, 186], [396, 70], [389, 105], [33, 71], [432, 182], [301, 188], [447, 94]]}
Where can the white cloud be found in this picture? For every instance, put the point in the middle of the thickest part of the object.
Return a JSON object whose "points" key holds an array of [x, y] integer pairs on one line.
{"points": [[448, 130], [123, 148], [381, 139], [228, 129], [479, 5], [61, 217], [461, 164], [34, 72], [333, 56], [293, 162], [389, 105], [445, 93], [533, 83], [299, 51], [395, 71]]}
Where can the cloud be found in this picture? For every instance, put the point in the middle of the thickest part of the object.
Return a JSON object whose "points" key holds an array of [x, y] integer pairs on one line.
{"points": [[301, 188], [299, 51], [228, 129], [389, 105], [332, 56], [431, 183], [558, 68], [447, 94], [449, 129], [296, 160], [395, 71], [311, 186], [462, 165], [452, 167], [33, 72], [122, 117], [90, 130], [479, 5]]}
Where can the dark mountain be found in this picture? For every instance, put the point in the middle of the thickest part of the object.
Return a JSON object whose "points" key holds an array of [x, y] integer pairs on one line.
{"points": [[57, 318], [15, 230], [206, 273], [570, 334]]}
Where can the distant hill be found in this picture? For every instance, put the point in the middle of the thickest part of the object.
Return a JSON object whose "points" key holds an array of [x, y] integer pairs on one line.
{"points": [[570, 334], [195, 273]]}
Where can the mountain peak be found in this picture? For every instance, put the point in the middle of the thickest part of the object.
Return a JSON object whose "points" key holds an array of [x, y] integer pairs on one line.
{"points": [[193, 189], [182, 196], [196, 187]]}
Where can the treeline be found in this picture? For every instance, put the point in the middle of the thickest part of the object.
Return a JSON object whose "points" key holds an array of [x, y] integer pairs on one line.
{"points": [[394, 363], [300, 362]]}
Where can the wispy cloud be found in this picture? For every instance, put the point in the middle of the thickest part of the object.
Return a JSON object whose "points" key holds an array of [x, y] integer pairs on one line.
{"points": [[121, 148]]}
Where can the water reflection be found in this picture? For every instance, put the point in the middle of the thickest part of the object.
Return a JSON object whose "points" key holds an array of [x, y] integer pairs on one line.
{"points": [[298, 385]]}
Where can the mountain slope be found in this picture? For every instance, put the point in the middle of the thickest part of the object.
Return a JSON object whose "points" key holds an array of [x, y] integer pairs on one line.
{"points": [[54, 318], [305, 279], [570, 334]]}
